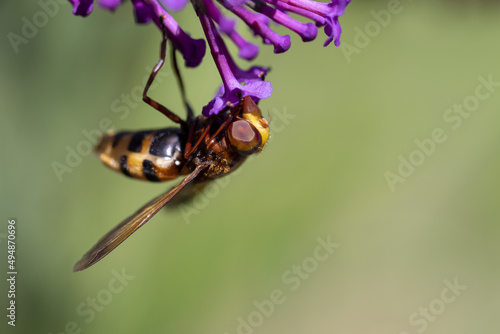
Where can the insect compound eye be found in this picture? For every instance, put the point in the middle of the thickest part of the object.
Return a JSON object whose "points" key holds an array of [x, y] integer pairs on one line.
{"points": [[252, 113], [244, 137]]}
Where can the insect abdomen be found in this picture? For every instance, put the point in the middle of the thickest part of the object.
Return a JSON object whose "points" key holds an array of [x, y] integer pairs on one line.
{"points": [[154, 155]]}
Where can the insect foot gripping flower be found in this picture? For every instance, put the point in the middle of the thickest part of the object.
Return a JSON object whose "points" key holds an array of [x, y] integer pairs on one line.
{"points": [[256, 14]]}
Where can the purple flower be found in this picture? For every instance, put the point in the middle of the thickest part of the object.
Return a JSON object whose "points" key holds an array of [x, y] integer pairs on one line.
{"points": [[236, 82], [256, 14]]}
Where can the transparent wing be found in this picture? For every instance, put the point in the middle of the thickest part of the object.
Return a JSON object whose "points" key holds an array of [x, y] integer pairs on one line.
{"points": [[121, 232]]}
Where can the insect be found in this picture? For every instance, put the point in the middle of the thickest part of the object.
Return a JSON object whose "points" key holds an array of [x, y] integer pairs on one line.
{"points": [[203, 148]]}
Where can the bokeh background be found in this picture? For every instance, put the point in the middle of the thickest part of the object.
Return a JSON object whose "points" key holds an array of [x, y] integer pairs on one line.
{"points": [[341, 119]]}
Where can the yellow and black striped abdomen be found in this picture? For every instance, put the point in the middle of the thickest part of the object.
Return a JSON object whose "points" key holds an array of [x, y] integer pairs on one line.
{"points": [[155, 155]]}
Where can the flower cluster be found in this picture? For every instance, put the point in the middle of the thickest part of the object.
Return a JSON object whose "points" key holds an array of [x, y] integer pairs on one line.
{"points": [[257, 14]]}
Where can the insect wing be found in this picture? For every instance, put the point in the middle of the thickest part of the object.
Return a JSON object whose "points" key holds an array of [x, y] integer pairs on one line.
{"points": [[121, 232]]}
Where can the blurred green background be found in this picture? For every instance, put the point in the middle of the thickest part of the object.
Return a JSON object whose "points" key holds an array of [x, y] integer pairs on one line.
{"points": [[341, 119]]}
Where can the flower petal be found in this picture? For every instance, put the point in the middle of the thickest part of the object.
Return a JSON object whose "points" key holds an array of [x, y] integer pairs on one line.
{"points": [[110, 4], [236, 83], [82, 7], [143, 12], [192, 50], [174, 5]]}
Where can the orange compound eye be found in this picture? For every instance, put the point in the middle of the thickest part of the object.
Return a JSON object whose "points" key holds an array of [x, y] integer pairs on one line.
{"points": [[244, 137]]}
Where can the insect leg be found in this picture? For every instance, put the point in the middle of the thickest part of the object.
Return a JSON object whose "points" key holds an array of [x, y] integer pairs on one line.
{"points": [[190, 114], [234, 111], [164, 110], [189, 145]]}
